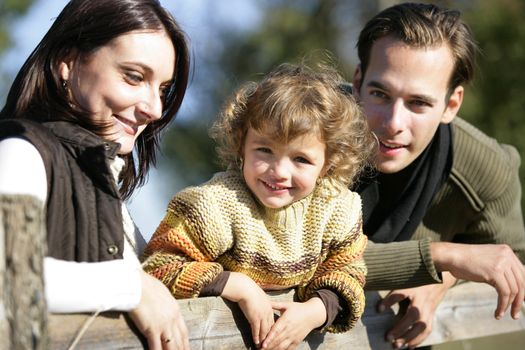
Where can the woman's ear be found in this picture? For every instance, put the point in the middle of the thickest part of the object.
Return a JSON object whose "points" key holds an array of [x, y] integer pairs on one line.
{"points": [[64, 68]]}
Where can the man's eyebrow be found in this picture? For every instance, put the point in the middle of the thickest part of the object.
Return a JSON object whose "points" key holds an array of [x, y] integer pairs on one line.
{"points": [[376, 84], [423, 97]]}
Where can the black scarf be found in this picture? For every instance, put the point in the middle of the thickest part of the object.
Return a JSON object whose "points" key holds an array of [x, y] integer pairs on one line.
{"points": [[395, 204]]}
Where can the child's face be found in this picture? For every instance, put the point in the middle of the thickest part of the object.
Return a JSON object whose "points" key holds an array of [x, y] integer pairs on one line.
{"points": [[280, 174]]}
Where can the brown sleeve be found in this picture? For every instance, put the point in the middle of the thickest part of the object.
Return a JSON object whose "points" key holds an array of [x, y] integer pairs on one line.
{"points": [[333, 304], [215, 288]]}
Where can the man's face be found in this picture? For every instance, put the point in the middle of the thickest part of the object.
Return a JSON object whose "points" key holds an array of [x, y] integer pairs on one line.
{"points": [[403, 94]]}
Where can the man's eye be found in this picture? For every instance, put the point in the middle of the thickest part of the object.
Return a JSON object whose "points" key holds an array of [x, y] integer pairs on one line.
{"points": [[378, 94], [421, 103]]}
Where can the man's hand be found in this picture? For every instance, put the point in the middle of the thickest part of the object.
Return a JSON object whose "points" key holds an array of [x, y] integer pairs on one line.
{"points": [[416, 323], [495, 264]]}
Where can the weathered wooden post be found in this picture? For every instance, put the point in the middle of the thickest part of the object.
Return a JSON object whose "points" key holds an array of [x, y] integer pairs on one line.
{"points": [[23, 312]]}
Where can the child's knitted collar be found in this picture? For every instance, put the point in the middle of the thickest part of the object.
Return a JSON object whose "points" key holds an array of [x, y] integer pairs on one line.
{"points": [[290, 216]]}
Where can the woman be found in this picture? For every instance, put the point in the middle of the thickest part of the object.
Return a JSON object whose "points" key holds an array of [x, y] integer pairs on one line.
{"points": [[80, 130]]}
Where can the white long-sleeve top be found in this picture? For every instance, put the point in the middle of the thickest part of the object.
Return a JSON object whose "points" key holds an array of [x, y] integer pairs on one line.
{"points": [[71, 286]]}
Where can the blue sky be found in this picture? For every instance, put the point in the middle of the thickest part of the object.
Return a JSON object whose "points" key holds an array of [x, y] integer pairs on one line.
{"points": [[198, 18]]}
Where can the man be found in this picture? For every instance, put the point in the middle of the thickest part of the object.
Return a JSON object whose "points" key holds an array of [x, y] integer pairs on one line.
{"points": [[438, 177]]}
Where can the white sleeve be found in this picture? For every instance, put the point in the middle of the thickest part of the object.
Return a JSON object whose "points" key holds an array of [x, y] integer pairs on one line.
{"points": [[88, 287], [23, 170], [69, 286]]}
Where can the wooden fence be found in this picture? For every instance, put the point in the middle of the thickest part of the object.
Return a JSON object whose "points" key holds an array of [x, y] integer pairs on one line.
{"points": [[466, 312]]}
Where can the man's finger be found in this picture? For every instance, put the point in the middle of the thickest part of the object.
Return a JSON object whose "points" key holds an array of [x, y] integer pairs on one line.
{"points": [[402, 326], [520, 296], [390, 299], [417, 334]]}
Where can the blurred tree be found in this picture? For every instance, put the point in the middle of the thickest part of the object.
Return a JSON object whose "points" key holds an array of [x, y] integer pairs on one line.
{"points": [[9, 10], [319, 29], [288, 32], [495, 102]]}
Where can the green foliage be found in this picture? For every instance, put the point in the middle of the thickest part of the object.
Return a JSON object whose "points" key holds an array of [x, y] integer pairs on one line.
{"points": [[16, 7], [9, 10], [292, 30], [495, 102], [190, 152]]}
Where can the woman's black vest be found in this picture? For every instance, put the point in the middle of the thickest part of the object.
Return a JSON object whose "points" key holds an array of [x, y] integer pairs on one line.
{"points": [[84, 215]]}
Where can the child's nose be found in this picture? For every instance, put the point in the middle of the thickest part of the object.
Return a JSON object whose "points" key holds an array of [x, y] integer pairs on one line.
{"points": [[281, 169]]}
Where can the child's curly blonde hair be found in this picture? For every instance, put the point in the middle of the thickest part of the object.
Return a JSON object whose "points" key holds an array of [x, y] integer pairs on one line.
{"points": [[292, 101]]}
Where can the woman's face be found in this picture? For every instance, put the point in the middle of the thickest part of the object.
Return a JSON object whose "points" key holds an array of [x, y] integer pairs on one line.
{"points": [[123, 83]]}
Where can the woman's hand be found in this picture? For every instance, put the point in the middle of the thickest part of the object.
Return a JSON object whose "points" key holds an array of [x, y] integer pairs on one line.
{"points": [[254, 303], [158, 317], [295, 322]]}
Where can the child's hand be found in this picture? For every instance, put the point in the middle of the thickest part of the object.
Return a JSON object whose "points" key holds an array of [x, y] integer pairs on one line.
{"points": [[253, 302], [296, 321]]}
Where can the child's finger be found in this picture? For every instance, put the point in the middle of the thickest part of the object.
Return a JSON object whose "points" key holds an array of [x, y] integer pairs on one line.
{"points": [[266, 326], [255, 332], [275, 336], [279, 306]]}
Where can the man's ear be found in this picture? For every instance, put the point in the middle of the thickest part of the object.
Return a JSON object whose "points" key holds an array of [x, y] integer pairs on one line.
{"points": [[357, 80], [453, 105]]}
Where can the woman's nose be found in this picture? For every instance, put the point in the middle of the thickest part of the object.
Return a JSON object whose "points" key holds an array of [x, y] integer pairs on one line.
{"points": [[151, 106]]}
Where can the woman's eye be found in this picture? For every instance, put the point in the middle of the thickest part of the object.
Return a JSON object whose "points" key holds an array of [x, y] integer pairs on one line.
{"points": [[163, 91], [134, 77]]}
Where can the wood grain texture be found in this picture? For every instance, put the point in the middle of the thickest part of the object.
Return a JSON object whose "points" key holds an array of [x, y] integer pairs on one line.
{"points": [[466, 313], [23, 315]]}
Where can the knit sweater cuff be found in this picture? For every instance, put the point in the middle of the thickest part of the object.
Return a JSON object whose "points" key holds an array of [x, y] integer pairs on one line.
{"points": [[348, 289], [193, 278], [399, 265]]}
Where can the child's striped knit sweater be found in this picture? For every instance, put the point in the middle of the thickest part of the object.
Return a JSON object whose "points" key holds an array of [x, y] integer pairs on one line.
{"points": [[315, 243]]}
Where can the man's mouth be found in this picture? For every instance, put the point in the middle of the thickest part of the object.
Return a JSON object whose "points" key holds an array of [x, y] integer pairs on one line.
{"points": [[391, 145]]}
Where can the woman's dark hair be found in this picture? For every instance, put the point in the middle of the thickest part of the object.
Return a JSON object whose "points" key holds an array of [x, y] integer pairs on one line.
{"points": [[82, 27]]}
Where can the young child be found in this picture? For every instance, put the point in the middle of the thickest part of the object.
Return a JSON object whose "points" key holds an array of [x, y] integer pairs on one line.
{"points": [[281, 216]]}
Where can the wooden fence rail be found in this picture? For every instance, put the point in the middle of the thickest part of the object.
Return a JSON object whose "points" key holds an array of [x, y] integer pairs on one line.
{"points": [[466, 312]]}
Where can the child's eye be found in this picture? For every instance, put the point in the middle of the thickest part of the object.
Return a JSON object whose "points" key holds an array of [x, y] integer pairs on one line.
{"points": [[302, 160], [264, 150]]}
